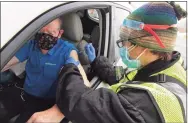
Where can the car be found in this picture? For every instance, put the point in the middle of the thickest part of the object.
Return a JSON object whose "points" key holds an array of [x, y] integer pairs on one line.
{"points": [[92, 22]]}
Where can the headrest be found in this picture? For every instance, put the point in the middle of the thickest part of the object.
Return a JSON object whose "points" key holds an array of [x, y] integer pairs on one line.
{"points": [[80, 13], [72, 27]]}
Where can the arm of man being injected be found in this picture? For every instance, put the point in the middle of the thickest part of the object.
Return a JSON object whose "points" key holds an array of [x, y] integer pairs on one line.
{"points": [[74, 55]]}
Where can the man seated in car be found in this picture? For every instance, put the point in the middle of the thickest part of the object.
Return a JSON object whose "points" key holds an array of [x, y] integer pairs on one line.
{"points": [[45, 56]]}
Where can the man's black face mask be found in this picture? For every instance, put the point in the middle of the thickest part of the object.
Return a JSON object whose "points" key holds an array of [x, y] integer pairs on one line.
{"points": [[45, 41]]}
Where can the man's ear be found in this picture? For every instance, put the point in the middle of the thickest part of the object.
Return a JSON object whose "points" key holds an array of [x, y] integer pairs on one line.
{"points": [[44, 29], [60, 33]]}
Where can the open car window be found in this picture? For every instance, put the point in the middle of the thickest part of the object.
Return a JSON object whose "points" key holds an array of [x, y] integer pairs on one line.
{"points": [[70, 34]]}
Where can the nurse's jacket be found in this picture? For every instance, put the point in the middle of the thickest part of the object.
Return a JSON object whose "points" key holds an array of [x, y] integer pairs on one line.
{"points": [[154, 94]]}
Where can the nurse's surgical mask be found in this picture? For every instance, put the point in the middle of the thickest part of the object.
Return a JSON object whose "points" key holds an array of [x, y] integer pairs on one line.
{"points": [[127, 60]]}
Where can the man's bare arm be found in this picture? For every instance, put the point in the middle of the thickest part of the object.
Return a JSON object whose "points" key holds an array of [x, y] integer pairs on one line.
{"points": [[74, 55], [12, 62], [48, 116]]}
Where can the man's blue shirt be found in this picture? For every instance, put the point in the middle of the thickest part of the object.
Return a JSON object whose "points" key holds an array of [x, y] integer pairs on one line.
{"points": [[42, 69]]}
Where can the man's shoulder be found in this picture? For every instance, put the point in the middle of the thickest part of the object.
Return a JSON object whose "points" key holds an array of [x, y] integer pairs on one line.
{"points": [[29, 44], [31, 41], [65, 48], [66, 44]]}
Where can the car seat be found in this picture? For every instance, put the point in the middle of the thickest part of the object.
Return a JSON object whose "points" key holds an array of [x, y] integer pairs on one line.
{"points": [[73, 32]]}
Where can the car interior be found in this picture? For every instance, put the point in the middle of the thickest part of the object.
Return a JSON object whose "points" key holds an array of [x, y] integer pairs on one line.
{"points": [[79, 29]]}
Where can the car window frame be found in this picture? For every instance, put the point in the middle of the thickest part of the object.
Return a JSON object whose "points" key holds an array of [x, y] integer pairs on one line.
{"points": [[111, 51], [108, 45], [27, 32]]}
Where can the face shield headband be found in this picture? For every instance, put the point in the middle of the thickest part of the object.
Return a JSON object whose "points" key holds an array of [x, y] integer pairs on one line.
{"points": [[136, 25]]}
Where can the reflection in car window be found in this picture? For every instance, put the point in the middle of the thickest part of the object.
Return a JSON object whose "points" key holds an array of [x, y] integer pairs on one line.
{"points": [[120, 15], [181, 46], [93, 14]]}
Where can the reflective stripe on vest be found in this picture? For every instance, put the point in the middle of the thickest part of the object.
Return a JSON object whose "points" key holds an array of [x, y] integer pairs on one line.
{"points": [[167, 102]]}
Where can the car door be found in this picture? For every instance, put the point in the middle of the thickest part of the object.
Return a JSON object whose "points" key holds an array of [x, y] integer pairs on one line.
{"points": [[117, 14]]}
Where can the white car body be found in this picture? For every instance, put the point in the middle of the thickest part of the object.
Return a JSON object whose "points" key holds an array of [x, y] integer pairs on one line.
{"points": [[15, 15]]}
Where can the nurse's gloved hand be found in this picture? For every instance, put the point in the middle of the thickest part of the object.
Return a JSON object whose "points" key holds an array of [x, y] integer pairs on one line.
{"points": [[71, 60], [90, 51]]}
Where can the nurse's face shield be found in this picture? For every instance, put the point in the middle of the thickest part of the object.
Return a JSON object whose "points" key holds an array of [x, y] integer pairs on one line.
{"points": [[136, 25]]}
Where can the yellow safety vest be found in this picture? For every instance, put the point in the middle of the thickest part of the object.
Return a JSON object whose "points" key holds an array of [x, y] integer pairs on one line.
{"points": [[170, 98]]}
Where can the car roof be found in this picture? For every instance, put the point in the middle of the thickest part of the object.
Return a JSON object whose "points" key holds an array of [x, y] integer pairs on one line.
{"points": [[15, 15]]}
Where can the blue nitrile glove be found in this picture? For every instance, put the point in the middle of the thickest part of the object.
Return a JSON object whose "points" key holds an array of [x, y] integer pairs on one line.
{"points": [[71, 60], [90, 51]]}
